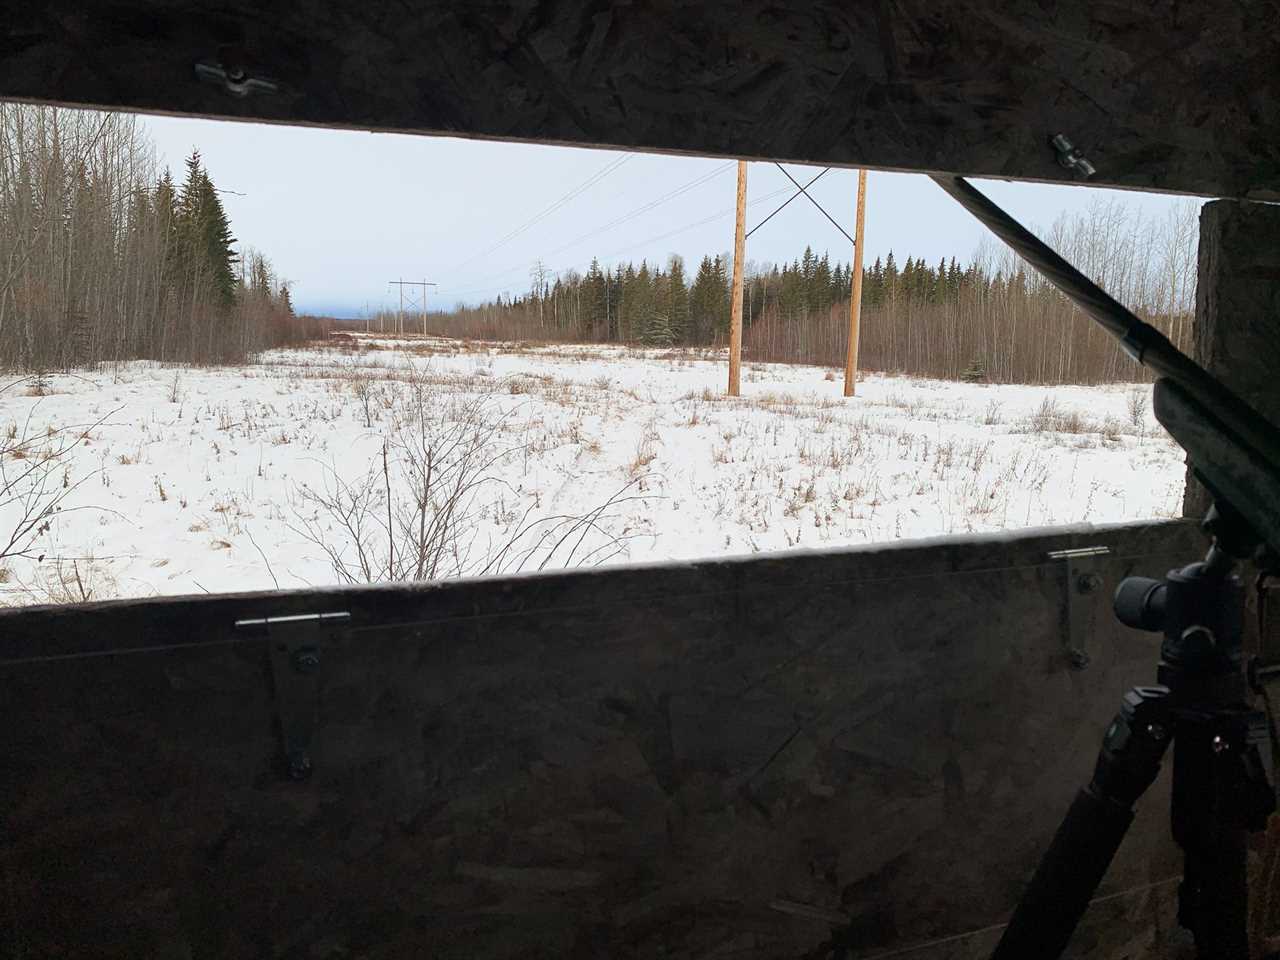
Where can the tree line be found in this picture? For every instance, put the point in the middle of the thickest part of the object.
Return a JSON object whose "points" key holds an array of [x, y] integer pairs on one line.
{"points": [[988, 318], [103, 258]]}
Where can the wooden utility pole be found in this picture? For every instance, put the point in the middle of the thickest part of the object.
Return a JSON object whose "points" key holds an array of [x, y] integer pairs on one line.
{"points": [[735, 307], [425, 284], [855, 292]]}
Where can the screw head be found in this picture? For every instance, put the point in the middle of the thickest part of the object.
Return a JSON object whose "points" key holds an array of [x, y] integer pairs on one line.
{"points": [[299, 766], [1220, 745], [1157, 732], [1078, 659], [306, 661], [1088, 583]]}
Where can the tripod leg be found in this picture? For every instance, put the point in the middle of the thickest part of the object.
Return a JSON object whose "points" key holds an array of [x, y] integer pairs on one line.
{"points": [[1091, 833], [1213, 898]]}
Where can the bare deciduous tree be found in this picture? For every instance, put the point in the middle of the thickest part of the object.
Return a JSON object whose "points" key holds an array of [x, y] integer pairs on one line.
{"points": [[36, 481], [96, 258]]}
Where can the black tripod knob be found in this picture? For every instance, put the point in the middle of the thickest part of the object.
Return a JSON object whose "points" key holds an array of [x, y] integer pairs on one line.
{"points": [[1140, 603]]}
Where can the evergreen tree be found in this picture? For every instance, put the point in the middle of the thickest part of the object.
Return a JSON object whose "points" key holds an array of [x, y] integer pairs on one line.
{"points": [[873, 285], [627, 313], [820, 297], [677, 300], [889, 283], [595, 300], [705, 297], [219, 244], [204, 237]]}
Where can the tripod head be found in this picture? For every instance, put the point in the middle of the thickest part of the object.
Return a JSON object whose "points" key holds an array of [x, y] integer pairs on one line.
{"points": [[1199, 609]]}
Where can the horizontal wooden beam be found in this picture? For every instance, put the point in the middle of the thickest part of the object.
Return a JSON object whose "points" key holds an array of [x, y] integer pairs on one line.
{"points": [[1162, 96]]}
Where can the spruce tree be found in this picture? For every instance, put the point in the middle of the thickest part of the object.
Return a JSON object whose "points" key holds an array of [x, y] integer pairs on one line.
{"points": [[596, 300], [821, 296], [204, 236], [678, 300], [704, 301], [890, 281]]}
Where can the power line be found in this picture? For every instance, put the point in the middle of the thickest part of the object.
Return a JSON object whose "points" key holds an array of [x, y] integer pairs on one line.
{"points": [[711, 219], [630, 215], [645, 208], [548, 211], [486, 285]]}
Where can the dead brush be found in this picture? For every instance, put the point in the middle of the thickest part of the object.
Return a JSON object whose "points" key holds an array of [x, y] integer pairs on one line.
{"points": [[39, 386], [646, 451], [362, 390], [77, 580], [823, 421], [839, 456], [415, 513], [1049, 417], [976, 455], [1136, 402], [908, 404]]}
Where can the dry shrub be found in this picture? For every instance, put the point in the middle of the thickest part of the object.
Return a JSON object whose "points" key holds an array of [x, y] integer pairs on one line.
{"points": [[1051, 418], [1136, 403], [417, 513]]}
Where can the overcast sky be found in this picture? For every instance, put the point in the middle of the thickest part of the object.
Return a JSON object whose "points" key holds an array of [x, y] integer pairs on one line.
{"points": [[341, 213]]}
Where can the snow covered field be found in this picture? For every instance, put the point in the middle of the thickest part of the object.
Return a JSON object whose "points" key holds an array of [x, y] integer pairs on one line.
{"points": [[173, 480]]}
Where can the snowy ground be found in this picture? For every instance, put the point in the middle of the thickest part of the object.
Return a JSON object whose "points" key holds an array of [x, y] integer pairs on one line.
{"points": [[187, 480]]}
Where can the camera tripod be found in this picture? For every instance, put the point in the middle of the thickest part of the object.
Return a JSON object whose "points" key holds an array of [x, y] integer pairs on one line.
{"points": [[1220, 790]]}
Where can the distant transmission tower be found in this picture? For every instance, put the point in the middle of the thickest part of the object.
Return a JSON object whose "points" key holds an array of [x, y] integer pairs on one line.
{"points": [[420, 303]]}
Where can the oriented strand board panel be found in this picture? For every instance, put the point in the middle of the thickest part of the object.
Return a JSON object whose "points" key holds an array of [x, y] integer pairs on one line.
{"points": [[1163, 96], [746, 757]]}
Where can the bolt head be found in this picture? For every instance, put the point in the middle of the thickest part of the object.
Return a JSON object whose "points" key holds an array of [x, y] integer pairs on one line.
{"points": [[1157, 731], [1078, 659], [298, 767], [1220, 745], [1089, 583], [306, 661]]}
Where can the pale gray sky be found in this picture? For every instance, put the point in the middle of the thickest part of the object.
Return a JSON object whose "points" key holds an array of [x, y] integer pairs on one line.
{"points": [[340, 213]]}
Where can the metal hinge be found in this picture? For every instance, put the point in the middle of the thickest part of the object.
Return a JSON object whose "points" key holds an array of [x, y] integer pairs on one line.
{"points": [[296, 644], [1071, 158], [234, 80], [1084, 580]]}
